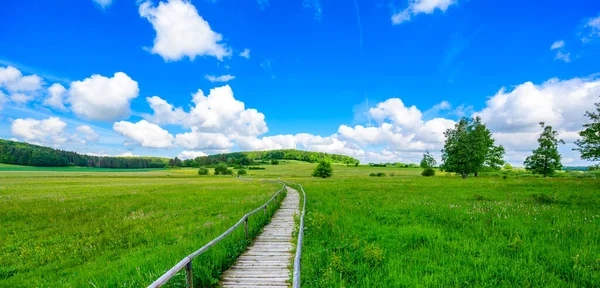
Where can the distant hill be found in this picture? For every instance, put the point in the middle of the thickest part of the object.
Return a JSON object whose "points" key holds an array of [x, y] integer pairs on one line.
{"points": [[20, 153], [249, 158]]}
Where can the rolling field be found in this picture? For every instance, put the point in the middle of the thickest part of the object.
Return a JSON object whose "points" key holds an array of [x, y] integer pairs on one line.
{"points": [[108, 230], [127, 228]]}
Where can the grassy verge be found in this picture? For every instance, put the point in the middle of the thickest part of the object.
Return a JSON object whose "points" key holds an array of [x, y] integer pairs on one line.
{"points": [[125, 231]]}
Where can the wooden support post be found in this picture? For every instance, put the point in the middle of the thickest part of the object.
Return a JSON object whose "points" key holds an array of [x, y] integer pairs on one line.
{"points": [[246, 227], [189, 276], [265, 211]]}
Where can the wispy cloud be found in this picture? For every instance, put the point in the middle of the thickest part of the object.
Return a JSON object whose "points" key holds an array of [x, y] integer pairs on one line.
{"points": [[315, 5], [557, 45], [420, 6], [222, 78], [263, 4], [566, 57], [245, 53], [360, 33]]}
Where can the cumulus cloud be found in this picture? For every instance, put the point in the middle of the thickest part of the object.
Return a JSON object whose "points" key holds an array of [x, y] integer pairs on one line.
{"points": [[200, 140], [190, 154], [103, 3], [222, 78], [101, 98], [56, 95], [245, 53], [181, 32], [421, 6], [219, 112], [145, 134], [49, 131], [21, 89], [3, 99], [86, 134], [127, 154]]}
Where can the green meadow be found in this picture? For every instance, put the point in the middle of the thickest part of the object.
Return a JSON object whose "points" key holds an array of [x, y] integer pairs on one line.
{"points": [[106, 229]]}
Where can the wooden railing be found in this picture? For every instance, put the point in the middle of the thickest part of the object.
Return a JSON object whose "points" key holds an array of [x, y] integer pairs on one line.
{"points": [[296, 280], [187, 261]]}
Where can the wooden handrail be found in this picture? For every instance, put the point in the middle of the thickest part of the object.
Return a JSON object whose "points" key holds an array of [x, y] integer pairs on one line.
{"points": [[187, 261]]}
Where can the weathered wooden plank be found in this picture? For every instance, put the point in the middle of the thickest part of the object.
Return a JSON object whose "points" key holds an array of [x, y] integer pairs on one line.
{"points": [[266, 263]]}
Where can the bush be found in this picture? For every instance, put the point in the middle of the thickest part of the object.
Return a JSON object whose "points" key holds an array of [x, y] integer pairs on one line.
{"points": [[203, 171], [221, 169], [392, 174], [256, 168], [428, 172], [242, 172], [380, 174], [323, 170], [229, 172], [274, 162], [355, 164], [372, 174]]}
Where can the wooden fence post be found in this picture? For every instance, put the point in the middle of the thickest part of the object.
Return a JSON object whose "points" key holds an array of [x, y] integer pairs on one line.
{"points": [[189, 276], [246, 226]]}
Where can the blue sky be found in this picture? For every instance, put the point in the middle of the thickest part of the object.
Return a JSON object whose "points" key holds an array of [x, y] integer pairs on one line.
{"points": [[377, 80]]}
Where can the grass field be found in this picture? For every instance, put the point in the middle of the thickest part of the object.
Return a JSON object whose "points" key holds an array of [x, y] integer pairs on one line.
{"points": [[98, 231], [77, 228]]}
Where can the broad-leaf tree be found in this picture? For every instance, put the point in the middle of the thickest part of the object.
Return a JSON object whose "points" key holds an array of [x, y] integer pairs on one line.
{"points": [[589, 144], [428, 161], [469, 147], [323, 170], [545, 159]]}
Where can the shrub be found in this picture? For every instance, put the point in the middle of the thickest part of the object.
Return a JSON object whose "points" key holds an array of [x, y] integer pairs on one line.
{"points": [[356, 164], [203, 171], [221, 169], [274, 162], [256, 168], [229, 172], [428, 172], [323, 170], [242, 172], [380, 174], [392, 174], [372, 174]]}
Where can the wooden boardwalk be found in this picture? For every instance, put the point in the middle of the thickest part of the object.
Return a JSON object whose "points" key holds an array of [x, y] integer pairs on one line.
{"points": [[266, 263]]}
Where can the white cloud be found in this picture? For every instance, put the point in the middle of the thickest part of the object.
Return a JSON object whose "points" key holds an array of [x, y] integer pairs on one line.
{"points": [[41, 132], [222, 78], [245, 53], [181, 32], [421, 6], [557, 45], [21, 89], [566, 57], [102, 98], [145, 134], [127, 154], [56, 97], [219, 112], [190, 154], [86, 133], [200, 140], [103, 3], [3, 99]]}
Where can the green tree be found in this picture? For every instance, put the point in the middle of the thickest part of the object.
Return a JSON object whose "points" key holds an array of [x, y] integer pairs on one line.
{"points": [[545, 159], [428, 161], [323, 170], [589, 144], [274, 162], [469, 147], [242, 172], [202, 171], [507, 166], [221, 169]]}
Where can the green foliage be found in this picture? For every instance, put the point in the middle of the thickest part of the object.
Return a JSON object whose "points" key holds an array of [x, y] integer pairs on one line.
{"points": [[323, 170], [229, 172], [428, 161], [256, 168], [469, 147], [250, 158], [543, 198], [242, 172], [545, 159], [507, 166], [380, 174], [373, 174], [589, 144], [175, 162], [274, 162], [221, 169], [428, 172], [356, 164], [202, 171], [19, 153]]}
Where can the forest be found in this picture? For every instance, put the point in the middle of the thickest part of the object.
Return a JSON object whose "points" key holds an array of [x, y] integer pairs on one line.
{"points": [[19, 153], [258, 157]]}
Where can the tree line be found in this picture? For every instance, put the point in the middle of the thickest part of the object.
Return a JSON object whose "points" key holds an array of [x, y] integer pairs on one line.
{"points": [[469, 148], [262, 157], [19, 153]]}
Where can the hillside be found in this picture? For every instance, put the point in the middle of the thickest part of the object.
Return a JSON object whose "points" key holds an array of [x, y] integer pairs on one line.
{"points": [[249, 158], [20, 153]]}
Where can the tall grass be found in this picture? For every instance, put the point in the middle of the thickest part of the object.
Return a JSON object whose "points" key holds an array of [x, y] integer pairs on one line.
{"points": [[108, 232]]}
